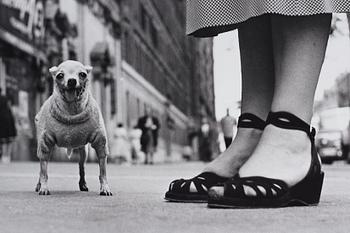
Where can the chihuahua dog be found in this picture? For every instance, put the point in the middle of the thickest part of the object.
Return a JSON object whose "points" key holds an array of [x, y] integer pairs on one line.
{"points": [[70, 118]]}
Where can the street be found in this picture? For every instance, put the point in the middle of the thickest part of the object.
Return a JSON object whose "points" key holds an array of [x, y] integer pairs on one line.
{"points": [[138, 205]]}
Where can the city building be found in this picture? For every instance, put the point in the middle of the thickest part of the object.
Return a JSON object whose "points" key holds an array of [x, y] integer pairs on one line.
{"points": [[343, 90], [203, 97], [336, 95], [141, 58], [167, 71], [22, 60]]}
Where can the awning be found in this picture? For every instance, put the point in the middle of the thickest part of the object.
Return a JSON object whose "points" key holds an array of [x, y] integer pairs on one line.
{"points": [[22, 45], [100, 55]]}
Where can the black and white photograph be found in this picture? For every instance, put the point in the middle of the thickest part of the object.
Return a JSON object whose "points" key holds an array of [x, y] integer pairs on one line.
{"points": [[174, 116]]}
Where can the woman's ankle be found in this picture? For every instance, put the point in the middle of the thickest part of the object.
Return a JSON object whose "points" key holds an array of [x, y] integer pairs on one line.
{"points": [[229, 161], [281, 154], [294, 141]]}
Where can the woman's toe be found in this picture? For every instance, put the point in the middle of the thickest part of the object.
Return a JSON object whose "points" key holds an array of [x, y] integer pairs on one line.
{"points": [[216, 192]]}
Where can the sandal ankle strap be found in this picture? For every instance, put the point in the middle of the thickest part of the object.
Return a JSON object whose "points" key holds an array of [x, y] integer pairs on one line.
{"points": [[288, 120], [249, 120]]}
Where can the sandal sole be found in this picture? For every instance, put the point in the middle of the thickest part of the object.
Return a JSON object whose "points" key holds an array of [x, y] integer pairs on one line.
{"points": [[185, 201], [186, 198], [226, 203], [288, 200]]}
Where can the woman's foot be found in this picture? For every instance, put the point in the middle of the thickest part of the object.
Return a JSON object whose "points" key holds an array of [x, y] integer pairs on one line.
{"points": [[224, 167], [283, 170], [216, 172], [282, 154], [229, 162]]}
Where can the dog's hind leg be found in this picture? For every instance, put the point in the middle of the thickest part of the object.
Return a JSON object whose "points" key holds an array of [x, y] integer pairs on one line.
{"points": [[38, 185], [101, 151], [104, 188], [82, 161]]}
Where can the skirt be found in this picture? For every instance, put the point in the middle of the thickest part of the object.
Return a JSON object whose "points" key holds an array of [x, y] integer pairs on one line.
{"points": [[207, 18], [7, 128], [147, 142]]}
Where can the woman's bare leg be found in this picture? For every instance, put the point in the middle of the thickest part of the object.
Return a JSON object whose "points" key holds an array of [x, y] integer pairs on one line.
{"points": [[257, 90], [299, 45]]}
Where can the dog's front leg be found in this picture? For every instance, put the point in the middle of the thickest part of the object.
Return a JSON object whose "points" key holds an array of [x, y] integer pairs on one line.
{"points": [[45, 147], [43, 187]]}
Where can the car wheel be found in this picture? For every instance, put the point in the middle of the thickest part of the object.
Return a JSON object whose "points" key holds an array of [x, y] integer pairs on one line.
{"points": [[327, 161], [345, 152]]}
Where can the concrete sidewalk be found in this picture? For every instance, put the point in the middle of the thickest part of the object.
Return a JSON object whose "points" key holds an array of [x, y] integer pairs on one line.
{"points": [[138, 205]]}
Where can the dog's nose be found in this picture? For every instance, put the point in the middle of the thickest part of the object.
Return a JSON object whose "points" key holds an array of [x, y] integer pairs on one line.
{"points": [[72, 82]]}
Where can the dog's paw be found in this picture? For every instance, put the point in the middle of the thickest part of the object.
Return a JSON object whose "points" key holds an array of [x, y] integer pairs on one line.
{"points": [[105, 190], [37, 188], [106, 193], [44, 191], [83, 187]]}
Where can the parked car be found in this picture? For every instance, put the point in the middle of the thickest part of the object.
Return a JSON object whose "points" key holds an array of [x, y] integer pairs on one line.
{"points": [[332, 139], [329, 146]]}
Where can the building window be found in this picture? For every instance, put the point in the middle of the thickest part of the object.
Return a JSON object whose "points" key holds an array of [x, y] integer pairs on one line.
{"points": [[144, 108], [154, 35], [138, 107], [127, 108], [113, 98], [72, 55], [143, 17], [126, 46]]}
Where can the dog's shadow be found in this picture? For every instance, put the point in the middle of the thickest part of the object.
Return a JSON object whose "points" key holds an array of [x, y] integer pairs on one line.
{"points": [[71, 194], [57, 194]]}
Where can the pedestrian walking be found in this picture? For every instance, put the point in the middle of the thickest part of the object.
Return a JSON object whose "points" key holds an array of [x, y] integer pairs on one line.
{"points": [[8, 130], [227, 124], [120, 151], [149, 126], [205, 147], [135, 137], [272, 161]]}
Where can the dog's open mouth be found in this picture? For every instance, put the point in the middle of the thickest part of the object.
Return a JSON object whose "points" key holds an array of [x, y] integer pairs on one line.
{"points": [[75, 91], [72, 94]]}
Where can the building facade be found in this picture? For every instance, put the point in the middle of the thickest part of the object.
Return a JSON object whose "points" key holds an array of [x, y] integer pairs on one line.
{"points": [[22, 60], [176, 72], [141, 58]]}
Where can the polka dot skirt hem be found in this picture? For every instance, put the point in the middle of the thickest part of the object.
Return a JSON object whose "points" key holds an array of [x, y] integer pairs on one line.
{"points": [[218, 14]]}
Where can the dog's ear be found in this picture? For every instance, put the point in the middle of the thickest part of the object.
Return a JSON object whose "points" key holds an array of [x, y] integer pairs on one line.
{"points": [[53, 71], [88, 68]]}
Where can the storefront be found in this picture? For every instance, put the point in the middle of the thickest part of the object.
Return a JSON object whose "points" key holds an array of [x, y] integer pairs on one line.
{"points": [[21, 67]]}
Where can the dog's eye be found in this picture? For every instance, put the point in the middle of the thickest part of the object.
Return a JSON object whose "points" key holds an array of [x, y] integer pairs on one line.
{"points": [[82, 75], [60, 76]]}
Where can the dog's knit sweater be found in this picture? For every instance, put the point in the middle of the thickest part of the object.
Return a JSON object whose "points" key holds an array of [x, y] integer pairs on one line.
{"points": [[56, 126], [62, 116]]}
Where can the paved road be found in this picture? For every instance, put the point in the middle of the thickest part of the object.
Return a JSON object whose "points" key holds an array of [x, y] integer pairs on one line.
{"points": [[138, 205]]}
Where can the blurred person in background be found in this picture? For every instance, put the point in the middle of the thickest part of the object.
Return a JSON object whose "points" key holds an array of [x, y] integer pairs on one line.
{"points": [[187, 153], [120, 151], [206, 141], [135, 145], [149, 126], [227, 124], [8, 130]]}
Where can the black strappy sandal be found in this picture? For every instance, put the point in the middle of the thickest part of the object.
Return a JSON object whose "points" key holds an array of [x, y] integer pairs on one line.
{"points": [[195, 190], [273, 192]]}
